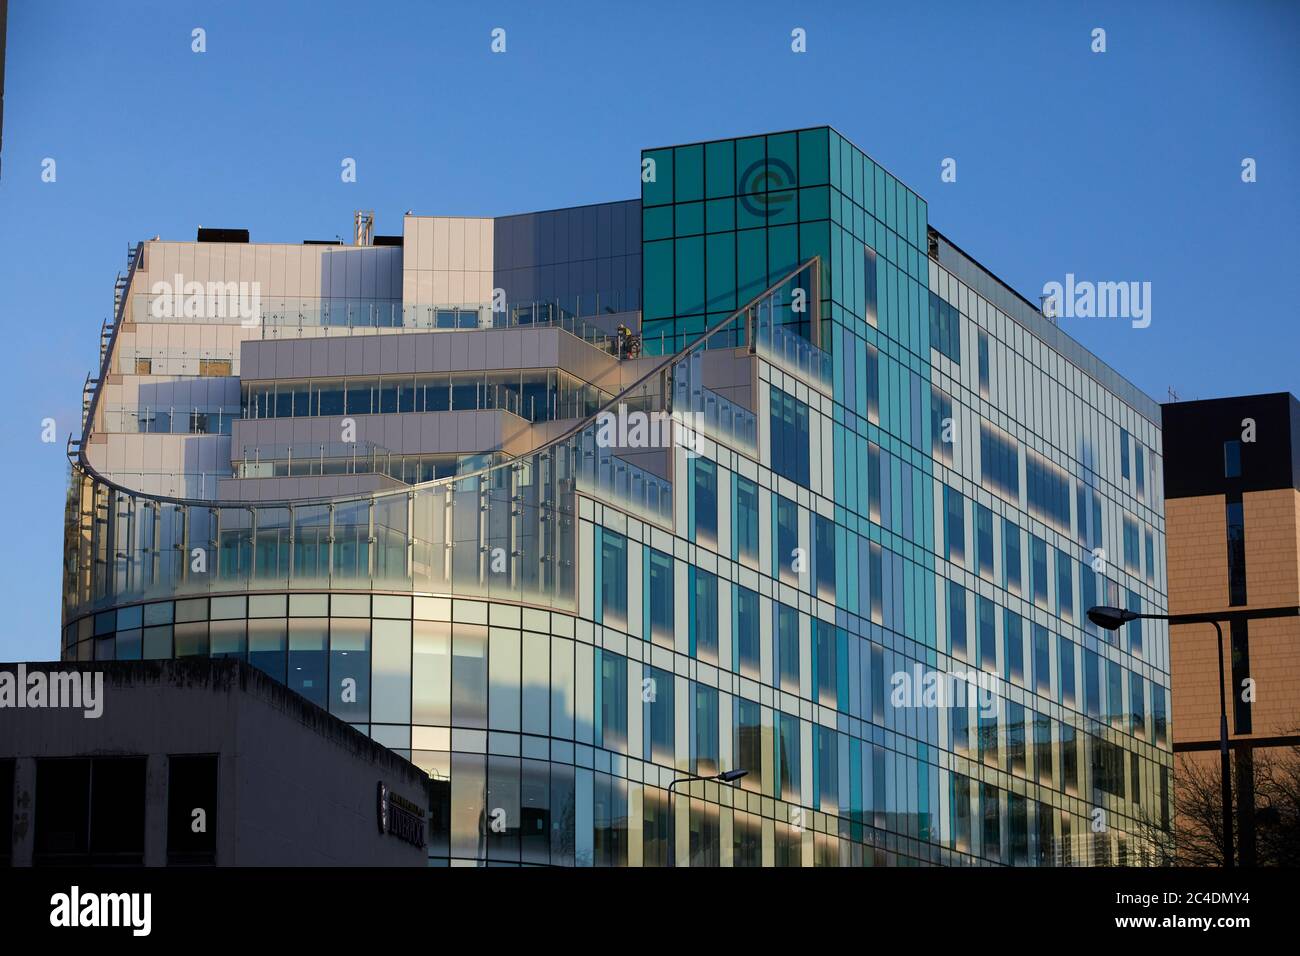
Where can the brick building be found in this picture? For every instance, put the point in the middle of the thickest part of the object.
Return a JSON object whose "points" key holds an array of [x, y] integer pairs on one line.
{"points": [[1232, 488]]}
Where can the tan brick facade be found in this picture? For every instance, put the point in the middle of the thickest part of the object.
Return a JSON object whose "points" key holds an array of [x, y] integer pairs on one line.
{"points": [[1198, 582], [1272, 548]]}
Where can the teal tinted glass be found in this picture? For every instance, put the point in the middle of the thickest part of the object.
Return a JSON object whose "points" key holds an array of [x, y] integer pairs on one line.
{"points": [[658, 295], [750, 154], [720, 169], [814, 203], [690, 276], [657, 180], [688, 173], [690, 218], [814, 159], [657, 223], [720, 215]]}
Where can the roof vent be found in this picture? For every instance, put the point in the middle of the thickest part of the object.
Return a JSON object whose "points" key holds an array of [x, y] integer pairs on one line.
{"points": [[222, 235]]}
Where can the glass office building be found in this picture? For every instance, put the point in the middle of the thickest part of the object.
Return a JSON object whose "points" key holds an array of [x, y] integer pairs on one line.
{"points": [[832, 515]]}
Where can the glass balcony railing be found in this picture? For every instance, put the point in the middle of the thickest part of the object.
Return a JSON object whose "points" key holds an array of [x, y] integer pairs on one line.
{"points": [[711, 413], [777, 340], [614, 478], [535, 395], [297, 318], [170, 419], [200, 362], [500, 531], [317, 459]]}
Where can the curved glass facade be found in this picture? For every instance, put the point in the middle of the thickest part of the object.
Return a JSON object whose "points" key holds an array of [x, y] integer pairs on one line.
{"points": [[441, 618]]}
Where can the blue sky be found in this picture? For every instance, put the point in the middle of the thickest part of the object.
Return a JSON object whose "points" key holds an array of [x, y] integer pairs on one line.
{"points": [[1123, 165]]}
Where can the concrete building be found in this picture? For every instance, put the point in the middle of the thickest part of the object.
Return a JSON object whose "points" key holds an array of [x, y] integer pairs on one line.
{"points": [[195, 762], [1232, 485], [407, 478]]}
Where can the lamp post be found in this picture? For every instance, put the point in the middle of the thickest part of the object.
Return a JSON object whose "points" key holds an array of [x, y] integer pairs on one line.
{"points": [[727, 776]]}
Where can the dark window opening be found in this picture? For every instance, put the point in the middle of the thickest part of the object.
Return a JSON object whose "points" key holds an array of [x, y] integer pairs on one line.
{"points": [[1240, 672], [90, 811], [1232, 459], [1236, 553], [790, 437], [945, 328], [192, 810], [1107, 767]]}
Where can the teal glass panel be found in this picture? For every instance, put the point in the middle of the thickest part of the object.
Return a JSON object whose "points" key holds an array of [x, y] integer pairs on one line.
{"points": [[814, 203], [690, 276], [857, 184], [814, 161], [845, 181], [751, 212], [815, 241], [658, 295], [720, 169], [782, 251], [751, 263], [657, 223], [688, 173], [658, 191], [782, 207], [783, 160], [750, 154], [833, 141], [720, 257], [720, 215], [690, 218]]}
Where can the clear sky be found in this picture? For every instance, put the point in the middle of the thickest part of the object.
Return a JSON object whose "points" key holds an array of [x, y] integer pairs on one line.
{"points": [[1122, 165]]}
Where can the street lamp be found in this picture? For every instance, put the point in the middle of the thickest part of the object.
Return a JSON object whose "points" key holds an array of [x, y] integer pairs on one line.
{"points": [[727, 776], [1112, 619]]}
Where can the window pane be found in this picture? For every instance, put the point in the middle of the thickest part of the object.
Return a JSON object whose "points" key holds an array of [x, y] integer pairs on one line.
{"points": [[613, 578], [307, 640], [392, 672], [747, 632], [660, 598], [704, 738], [613, 701], [350, 669], [469, 676], [704, 615]]}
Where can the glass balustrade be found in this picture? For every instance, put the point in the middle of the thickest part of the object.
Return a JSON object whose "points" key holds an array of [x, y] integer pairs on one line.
{"points": [[277, 318], [314, 459], [534, 394], [169, 361], [170, 419]]}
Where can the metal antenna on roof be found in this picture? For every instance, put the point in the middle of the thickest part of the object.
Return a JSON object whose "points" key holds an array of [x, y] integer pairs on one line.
{"points": [[363, 227]]}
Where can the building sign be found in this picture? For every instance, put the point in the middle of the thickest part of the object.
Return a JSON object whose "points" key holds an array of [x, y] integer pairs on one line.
{"points": [[761, 184], [400, 817]]}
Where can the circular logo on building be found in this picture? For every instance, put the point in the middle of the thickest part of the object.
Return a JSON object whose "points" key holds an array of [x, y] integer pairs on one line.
{"points": [[383, 807], [761, 186]]}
